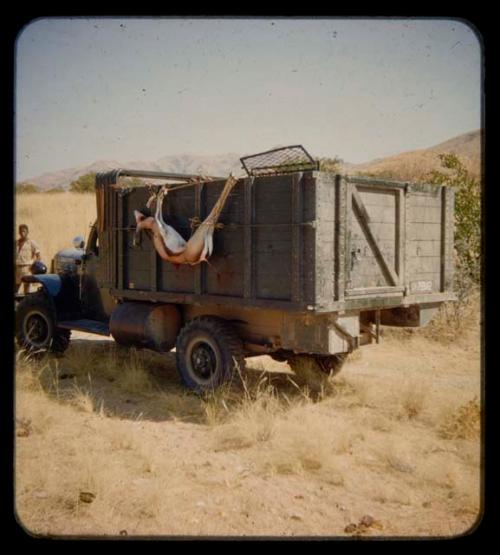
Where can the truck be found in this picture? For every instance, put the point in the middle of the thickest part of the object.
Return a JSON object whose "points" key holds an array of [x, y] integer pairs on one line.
{"points": [[307, 265]]}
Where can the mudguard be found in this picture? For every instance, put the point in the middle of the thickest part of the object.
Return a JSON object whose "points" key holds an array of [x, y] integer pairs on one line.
{"points": [[51, 282], [63, 290]]}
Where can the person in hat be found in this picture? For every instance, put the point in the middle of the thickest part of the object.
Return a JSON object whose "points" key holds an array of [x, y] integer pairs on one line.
{"points": [[27, 252]]}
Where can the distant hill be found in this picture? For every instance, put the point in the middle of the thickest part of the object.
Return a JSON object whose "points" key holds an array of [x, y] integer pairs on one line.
{"points": [[409, 165], [415, 164]]}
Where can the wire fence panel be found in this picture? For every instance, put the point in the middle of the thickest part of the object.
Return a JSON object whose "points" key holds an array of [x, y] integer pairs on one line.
{"points": [[279, 160]]}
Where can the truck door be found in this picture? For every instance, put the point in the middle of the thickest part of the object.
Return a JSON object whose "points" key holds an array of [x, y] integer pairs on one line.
{"points": [[96, 301]]}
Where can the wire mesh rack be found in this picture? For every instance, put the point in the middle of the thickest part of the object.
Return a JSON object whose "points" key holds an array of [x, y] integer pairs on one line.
{"points": [[279, 160]]}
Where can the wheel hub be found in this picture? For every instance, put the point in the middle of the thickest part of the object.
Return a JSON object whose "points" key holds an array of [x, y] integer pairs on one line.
{"points": [[36, 329], [203, 360]]}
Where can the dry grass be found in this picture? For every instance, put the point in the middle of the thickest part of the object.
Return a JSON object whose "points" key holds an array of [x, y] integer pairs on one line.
{"points": [[86, 465], [413, 398], [455, 320], [74, 212], [109, 442], [462, 423]]}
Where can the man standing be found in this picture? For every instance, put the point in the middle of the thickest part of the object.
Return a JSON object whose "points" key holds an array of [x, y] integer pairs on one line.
{"points": [[27, 252]]}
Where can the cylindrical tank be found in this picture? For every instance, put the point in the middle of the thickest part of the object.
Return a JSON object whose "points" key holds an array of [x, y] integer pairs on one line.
{"points": [[150, 325]]}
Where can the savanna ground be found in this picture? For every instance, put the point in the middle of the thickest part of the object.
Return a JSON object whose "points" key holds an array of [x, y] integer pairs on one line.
{"points": [[109, 443]]}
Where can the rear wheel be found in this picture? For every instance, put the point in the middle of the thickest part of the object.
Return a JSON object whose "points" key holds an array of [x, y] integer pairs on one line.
{"points": [[208, 352], [36, 329]]}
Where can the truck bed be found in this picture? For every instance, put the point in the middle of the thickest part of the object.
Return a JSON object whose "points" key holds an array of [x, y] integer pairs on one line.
{"points": [[308, 242]]}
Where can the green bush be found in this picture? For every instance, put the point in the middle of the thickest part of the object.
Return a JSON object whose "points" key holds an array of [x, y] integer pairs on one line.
{"points": [[26, 188], [332, 165], [84, 184], [467, 220]]}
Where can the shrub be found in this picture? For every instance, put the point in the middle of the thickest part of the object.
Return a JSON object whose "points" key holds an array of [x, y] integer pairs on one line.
{"points": [[467, 221]]}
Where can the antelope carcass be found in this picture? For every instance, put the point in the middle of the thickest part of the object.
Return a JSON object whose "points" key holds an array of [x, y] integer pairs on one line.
{"points": [[168, 242]]}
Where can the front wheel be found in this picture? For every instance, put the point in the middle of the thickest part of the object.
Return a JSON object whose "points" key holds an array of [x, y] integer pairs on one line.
{"points": [[36, 329], [208, 352]]}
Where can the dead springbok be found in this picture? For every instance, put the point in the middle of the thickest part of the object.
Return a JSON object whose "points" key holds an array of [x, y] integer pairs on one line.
{"points": [[168, 242]]}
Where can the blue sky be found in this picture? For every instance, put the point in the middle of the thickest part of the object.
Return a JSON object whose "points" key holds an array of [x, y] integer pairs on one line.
{"points": [[137, 88]]}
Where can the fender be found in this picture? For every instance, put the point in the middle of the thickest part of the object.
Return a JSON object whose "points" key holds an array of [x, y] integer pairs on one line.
{"points": [[51, 282], [62, 290]]}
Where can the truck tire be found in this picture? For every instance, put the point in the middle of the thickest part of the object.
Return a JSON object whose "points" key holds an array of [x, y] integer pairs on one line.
{"points": [[36, 330], [208, 352]]}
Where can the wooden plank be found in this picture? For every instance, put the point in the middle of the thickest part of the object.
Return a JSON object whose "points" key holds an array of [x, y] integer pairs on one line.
{"points": [[443, 239], [449, 238], [364, 221], [375, 183], [153, 269], [296, 192], [425, 248], [347, 248], [109, 246], [199, 204], [400, 237], [407, 203], [248, 247], [372, 291], [308, 264], [188, 298], [425, 232], [122, 237], [341, 215], [114, 235]]}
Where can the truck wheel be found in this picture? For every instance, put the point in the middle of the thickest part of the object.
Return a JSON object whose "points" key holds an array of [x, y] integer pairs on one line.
{"points": [[208, 352], [36, 330]]}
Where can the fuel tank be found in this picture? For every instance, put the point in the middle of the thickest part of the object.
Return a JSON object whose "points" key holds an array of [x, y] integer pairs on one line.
{"points": [[149, 325]]}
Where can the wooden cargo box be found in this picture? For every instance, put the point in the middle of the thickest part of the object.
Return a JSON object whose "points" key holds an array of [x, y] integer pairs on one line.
{"points": [[308, 242]]}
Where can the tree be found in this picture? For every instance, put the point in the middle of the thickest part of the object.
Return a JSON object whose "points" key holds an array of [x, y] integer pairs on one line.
{"points": [[84, 184], [467, 217], [26, 188], [332, 165]]}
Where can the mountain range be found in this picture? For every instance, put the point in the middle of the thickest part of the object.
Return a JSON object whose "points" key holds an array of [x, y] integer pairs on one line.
{"points": [[408, 165]]}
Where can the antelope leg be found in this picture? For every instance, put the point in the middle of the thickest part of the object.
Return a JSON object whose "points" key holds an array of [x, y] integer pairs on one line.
{"points": [[174, 242], [139, 218], [202, 239]]}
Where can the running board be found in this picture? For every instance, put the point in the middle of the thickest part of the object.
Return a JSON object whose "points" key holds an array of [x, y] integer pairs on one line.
{"points": [[89, 326]]}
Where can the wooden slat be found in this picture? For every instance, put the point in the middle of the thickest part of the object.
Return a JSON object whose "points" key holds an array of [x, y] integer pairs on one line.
{"points": [[340, 236], [296, 237], [447, 222], [200, 197], [347, 240], [121, 235], [450, 238], [364, 221], [248, 246], [153, 269], [186, 298], [400, 236]]}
